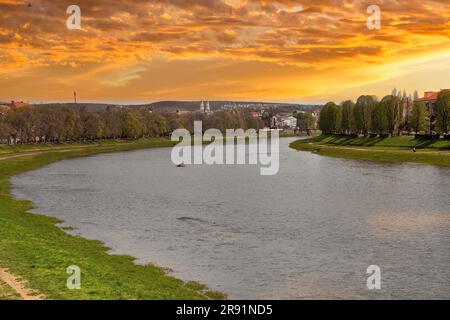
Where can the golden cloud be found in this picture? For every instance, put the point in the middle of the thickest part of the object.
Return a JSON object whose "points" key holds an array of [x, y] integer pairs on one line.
{"points": [[290, 39]]}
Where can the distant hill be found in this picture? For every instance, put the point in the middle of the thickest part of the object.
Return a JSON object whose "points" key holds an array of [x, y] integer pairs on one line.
{"points": [[88, 106], [171, 106]]}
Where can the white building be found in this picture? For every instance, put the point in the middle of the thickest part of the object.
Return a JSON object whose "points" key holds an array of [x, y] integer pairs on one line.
{"points": [[288, 122], [205, 107]]}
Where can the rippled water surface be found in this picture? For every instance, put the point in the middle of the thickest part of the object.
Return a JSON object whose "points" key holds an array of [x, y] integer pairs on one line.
{"points": [[309, 232]]}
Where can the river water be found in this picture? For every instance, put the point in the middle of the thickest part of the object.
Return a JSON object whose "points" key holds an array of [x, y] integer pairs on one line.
{"points": [[310, 231]]}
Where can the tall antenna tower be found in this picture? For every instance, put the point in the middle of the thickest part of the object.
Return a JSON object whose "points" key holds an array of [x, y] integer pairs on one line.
{"points": [[75, 97]]}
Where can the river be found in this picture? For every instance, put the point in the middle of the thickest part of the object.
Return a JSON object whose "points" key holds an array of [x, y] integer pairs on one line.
{"points": [[309, 232]]}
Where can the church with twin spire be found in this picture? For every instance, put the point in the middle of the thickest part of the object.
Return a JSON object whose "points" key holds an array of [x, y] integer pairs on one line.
{"points": [[205, 107]]}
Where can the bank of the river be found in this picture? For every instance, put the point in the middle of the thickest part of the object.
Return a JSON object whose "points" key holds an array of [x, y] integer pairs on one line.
{"points": [[35, 249], [395, 149], [7, 293]]}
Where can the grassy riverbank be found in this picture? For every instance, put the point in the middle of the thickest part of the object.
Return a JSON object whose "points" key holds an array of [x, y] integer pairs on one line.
{"points": [[395, 149], [7, 293], [35, 249]]}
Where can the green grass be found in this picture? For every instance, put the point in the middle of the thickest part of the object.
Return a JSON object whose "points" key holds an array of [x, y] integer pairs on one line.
{"points": [[395, 149], [7, 293], [36, 249]]}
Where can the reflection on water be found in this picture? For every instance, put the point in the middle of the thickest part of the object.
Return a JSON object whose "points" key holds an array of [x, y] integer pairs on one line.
{"points": [[409, 223], [309, 232]]}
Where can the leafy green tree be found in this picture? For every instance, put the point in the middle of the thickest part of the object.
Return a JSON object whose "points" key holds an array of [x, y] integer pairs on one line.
{"points": [[5, 131], [329, 121], [94, 126], [363, 113], [380, 119], [22, 122], [305, 121], [347, 115], [71, 120], [113, 123], [247, 121], [393, 108], [161, 124], [174, 122], [132, 124], [221, 120], [418, 120], [323, 121], [336, 114], [49, 124], [443, 111], [155, 124]]}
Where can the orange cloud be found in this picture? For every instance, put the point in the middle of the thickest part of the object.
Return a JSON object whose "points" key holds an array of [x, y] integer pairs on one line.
{"points": [[140, 50]]}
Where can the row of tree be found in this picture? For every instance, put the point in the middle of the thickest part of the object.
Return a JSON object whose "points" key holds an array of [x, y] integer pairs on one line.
{"points": [[40, 125], [305, 121], [386, 117]]}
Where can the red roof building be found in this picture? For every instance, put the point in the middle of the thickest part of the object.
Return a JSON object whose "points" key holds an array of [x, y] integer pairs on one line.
{"points": [[19, 104], [429, 99], [429, 96]]}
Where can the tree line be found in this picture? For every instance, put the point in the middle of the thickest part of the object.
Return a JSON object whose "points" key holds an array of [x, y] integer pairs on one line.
{"points": [[305, 121], [386, 117], [59, 124]]}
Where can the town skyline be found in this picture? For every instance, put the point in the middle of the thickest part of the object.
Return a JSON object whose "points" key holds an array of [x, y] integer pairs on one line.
{"points": [[284, 51], [398, 92]]}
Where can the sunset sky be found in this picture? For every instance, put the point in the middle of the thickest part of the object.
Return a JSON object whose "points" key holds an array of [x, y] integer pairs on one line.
{"points": [[295, 51]]}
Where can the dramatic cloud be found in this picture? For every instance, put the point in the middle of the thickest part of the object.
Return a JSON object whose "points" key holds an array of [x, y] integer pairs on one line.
{"points": [[140, 50]]}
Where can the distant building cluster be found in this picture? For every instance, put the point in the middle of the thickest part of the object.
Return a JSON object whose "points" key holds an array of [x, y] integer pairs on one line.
{"points": [[278, 116], [13, 105], [261, 106], [429, 100], [205, 107], [284, 121]]}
